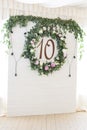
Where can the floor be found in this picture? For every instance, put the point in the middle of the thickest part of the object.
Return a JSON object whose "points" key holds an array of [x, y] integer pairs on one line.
{"points": [[75, 121]]}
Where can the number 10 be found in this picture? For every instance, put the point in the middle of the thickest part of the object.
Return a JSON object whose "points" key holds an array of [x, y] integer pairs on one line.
{"points": [[50, 41]]}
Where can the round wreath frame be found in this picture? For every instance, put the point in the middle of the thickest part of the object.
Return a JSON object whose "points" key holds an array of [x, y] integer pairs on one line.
{"points": [[32, 38]]}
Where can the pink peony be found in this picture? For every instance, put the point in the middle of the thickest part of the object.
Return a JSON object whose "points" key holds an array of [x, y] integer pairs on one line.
{"points": [[37, 62], [46, 67], [53, 65]]}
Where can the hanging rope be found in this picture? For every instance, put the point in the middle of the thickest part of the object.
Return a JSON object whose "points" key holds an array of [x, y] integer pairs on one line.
{"points": [[73, 57], [13, 53], [75, 48], [70, 65]]}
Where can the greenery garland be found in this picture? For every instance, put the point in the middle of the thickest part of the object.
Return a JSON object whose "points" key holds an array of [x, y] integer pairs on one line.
{"points": [[65, 25], [49, 27]]}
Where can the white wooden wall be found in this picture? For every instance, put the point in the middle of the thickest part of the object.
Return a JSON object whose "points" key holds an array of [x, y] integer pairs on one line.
{"points": [[31, 94]]}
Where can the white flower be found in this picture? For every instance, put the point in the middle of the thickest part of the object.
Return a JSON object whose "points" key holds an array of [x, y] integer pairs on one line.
{"points": [[54, 31], [57, 58], [33, 45], [48, 28], [60, 34], [57, 27], [62, 38], [56, 63], [32, 42], [41, 31], [44, 28], [32, 50], [40, 66], [54, 28], [57, 33], [34, 57]]}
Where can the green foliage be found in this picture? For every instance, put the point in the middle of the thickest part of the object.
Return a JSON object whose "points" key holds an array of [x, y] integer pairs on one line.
{"points": [[64, 25], [56, 28], [32, 39]]}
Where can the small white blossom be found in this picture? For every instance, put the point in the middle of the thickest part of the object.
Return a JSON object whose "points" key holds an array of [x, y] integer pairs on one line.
{"points": [[34, 57], [62, 38], [44, 28], [56, 63], [57, 27], [48, 28], [54, 32], [40, 66], [41, 31], [32, 42], [33, 45], [32, 50], [57, 58], [60, 35], [54, 28], [57, 33]]}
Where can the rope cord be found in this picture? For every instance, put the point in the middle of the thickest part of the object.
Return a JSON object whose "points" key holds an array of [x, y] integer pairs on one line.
{"points": [[70, 63], [14, 56]]}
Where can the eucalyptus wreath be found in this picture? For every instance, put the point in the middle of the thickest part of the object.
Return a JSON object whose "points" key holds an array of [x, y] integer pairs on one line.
{"points": [[32, 39]]}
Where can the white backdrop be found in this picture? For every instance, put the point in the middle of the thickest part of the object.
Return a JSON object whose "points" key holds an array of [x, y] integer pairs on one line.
{"points": [[31, 94], [12, 7]]}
